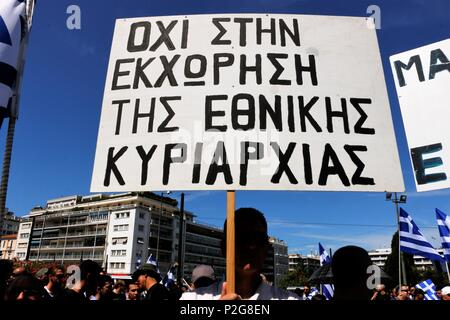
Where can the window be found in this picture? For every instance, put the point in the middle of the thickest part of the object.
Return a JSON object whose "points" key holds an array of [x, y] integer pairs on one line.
{"points": [[22, 245], [119, 240], [26, 226], [141, 228], [121, 227], [122, 215], [118, 253], [21, 255], [140, 240], [117, 265], [141, 215], [24, 235]]}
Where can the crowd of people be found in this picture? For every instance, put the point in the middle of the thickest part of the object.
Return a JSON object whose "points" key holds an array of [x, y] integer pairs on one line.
{"points": [[349, 268]]}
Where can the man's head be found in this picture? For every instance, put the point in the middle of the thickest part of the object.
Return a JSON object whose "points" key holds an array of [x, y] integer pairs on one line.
{"points": [[133, 291], [350, 272], [419, 294], [56, 276], [89, 274], [203, 276], [105, 287], [252, 241], [403, 293], [146, 276], [445, 293], [381, 288]]}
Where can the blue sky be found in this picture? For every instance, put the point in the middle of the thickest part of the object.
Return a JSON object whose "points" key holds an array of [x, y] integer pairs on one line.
{"points": [[62, 92]]}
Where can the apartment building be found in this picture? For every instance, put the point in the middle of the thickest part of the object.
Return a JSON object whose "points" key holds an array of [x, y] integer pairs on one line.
{"points": [[8, 246]]}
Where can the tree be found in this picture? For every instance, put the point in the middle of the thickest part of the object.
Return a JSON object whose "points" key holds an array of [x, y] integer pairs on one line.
{"points": [[297, 277], [391, 265]]}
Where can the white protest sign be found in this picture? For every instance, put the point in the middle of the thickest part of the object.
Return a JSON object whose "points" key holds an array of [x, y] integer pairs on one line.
{"points": [[246, 102], [422, 79]]}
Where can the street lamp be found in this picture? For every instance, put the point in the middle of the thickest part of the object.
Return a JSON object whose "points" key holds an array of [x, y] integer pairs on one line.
{"points": [[401, 267]]}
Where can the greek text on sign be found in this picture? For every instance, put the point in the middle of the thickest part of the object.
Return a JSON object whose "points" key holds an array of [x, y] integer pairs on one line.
{"points": [[422, 79], [245, 101]]}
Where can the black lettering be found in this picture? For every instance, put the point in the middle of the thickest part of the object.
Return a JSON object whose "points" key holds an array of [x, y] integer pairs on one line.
{"points": [[260, 31], [132, 46], [337, 114], [168, 71], [111, 166], [243, 30], [214, 169], [169, 159], [150, 115], [291, 119], [117, 73], [336, 167], [421, 164], [414, 60], [120, 104], [170, 114], [274, 113], [219, 64], [218, 39], [195, 75], [244, 69], [145, 157], [164, 37], [197, 162], [249, 112], [273, 57], [307, 164], [356, 102], [246, 155], [356, 178], [304, 113], [209, 113], [140, 74], [283, 166], [294, 35], [311, 69], [437, 56], [184, 35]]}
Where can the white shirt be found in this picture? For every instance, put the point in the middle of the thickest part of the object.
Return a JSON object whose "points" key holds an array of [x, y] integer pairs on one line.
{"points": [[264, 292]]}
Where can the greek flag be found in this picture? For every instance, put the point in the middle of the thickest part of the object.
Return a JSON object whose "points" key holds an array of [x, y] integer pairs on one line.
{"points": [[313, 292], [412, 241], [169, 278], [444, 230], [151, 260], [327, 289], [429, 289], [13, 27]]}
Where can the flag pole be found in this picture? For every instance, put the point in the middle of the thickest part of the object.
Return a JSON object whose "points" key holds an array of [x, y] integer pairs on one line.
{"points": [[399, 246], [230, 236], [29, 9], [448, 273]]}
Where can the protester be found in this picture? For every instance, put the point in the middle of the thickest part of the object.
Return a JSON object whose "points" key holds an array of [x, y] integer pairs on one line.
{"points": [[148, 278], [403, 293], [381, 294], [6, 268], [202, 276], [350, 272], [55, 284], [87, 285], [445, 293], [24, 287], [251, 244], [119, 290], [133, 291], [306, 292], [419, 295]]}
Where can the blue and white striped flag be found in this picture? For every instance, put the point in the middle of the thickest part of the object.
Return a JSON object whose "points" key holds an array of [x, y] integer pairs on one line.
{"points": [[412, 241], [169, 278], [313, 292], [327, 289], [444, 230], [429, 289], [151, 260], [13, 27]]}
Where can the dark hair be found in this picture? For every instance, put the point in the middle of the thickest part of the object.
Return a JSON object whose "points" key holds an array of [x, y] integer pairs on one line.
{"points": [[249, 214], [52, 270], [349, 266], [24, 283], [89, 267]]}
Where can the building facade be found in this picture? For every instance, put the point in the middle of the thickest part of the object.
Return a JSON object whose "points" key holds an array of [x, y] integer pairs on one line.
{"points": [[9, 224], [8, 246], [310, 261], [121, 231], [379, 257]]}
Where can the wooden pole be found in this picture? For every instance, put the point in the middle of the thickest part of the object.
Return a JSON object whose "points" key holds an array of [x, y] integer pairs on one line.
{"points": [[231, 265]]}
